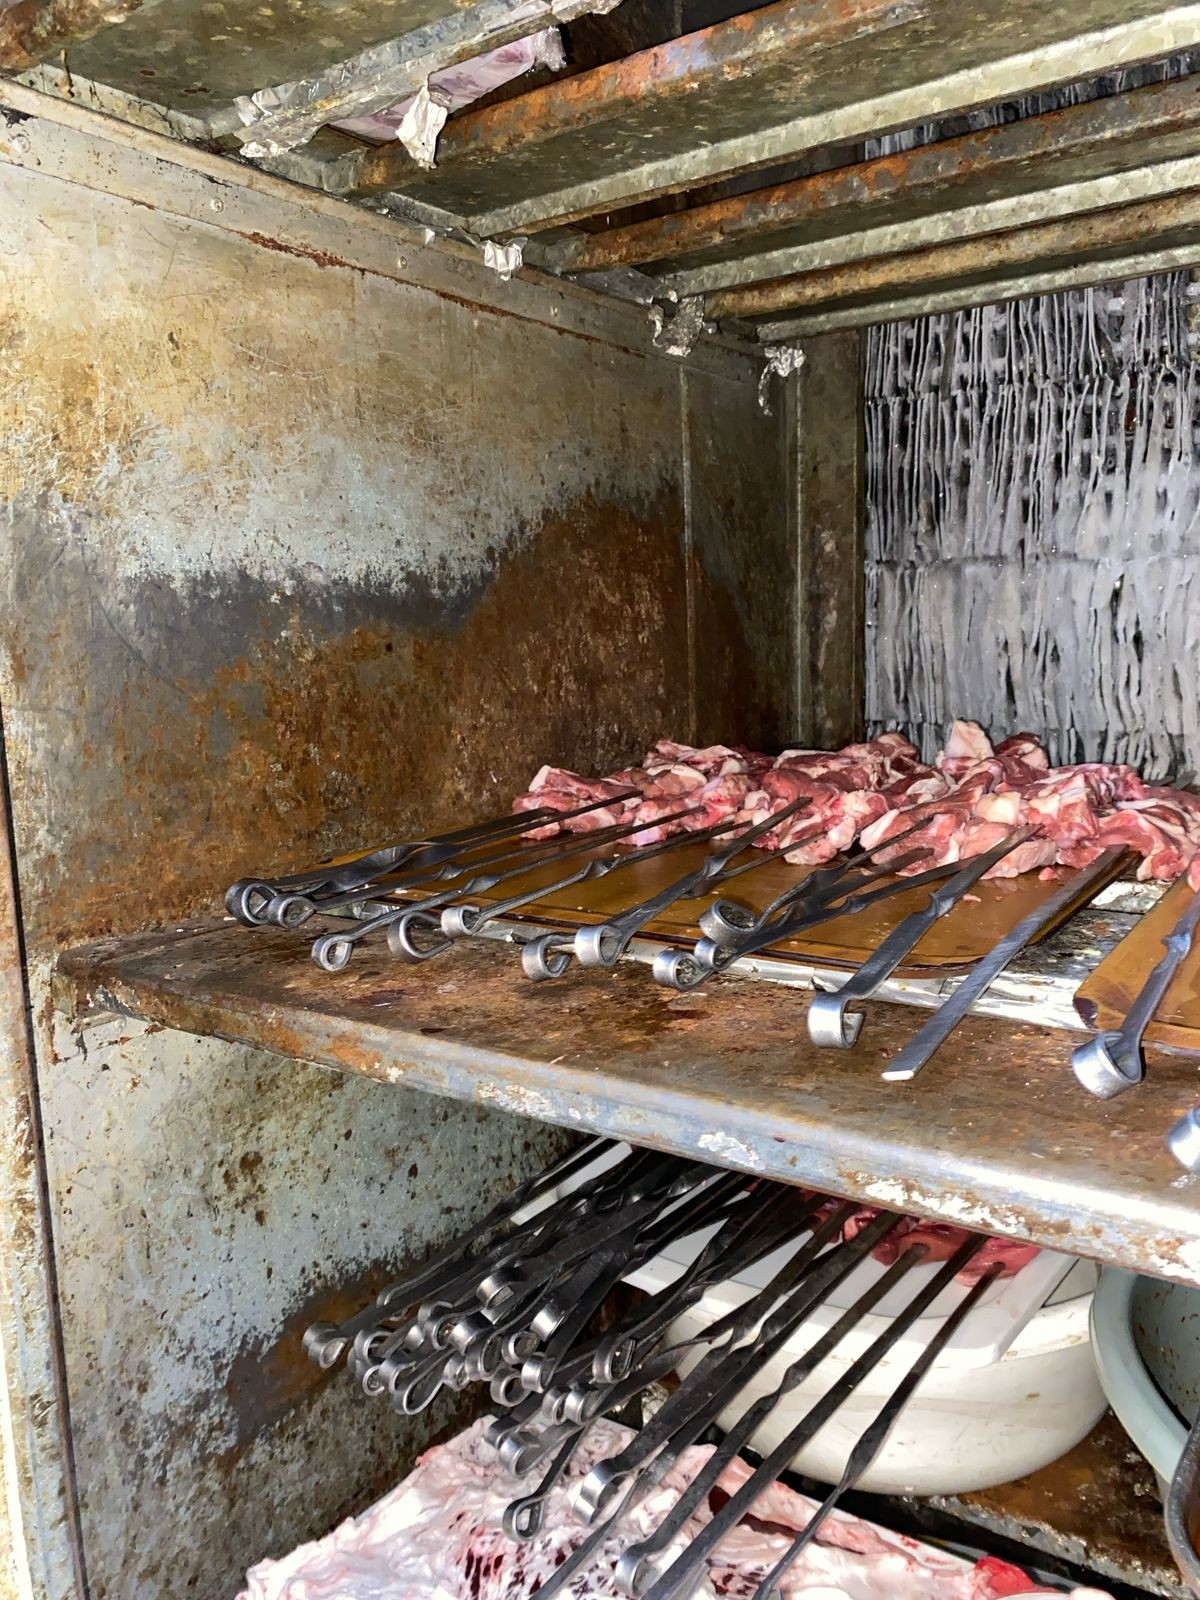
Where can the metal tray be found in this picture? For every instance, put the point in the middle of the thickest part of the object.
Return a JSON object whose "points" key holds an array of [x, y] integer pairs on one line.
{"points": [[952, 945]]}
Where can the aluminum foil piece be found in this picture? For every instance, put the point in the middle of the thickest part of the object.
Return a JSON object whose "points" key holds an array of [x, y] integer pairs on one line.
{"points": [[782, 360]]}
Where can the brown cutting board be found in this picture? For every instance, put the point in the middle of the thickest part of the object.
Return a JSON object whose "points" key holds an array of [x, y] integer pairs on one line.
{"points": [[953, 943], [1105, 997]]}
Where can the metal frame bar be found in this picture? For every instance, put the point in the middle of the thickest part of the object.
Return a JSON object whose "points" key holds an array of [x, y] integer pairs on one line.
{"points": [[1095, 235], [989, 291], [938, 181], [693, 73]]}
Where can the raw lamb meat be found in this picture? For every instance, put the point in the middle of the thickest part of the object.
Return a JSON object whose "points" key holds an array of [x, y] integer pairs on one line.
{"points": [[942, 1239], [438, 1536], [966, 804]]}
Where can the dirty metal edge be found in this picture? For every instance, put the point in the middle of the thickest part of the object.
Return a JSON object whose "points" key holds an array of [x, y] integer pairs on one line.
{"points": [[1160, 1234], [1082, 275], [77, 145]]}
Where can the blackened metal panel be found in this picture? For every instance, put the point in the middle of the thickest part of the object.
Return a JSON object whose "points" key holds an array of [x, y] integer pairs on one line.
{"points": [[740, 466], [830, 535]]}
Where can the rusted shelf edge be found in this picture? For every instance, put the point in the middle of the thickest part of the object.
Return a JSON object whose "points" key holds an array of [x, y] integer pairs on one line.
{"points": [[807, 1143]]}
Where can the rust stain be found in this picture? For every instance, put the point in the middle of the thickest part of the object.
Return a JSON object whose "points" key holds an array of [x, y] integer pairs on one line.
{"points": [[683, 67], [312, 741], [267, 1379], [32, 31], [323, 258]]}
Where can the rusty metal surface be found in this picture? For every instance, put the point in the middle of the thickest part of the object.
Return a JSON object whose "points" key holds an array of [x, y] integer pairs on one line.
{"points": [[1099, 236], [288, 114], [993, 1136], [605, 138], [289, 552], [1020, 284], [212, 1201], [33, 30], [830, 537], [625, 101], [41, 1552], [196, 58], [1097, 1508], [1001, 163]]}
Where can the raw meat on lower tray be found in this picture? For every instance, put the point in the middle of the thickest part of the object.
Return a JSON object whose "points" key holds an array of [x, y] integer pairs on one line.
{"points": [[438, 1536]]}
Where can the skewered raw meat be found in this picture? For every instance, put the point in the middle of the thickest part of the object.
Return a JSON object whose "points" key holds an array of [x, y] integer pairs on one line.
{"points": [[438, 1536], [969, 801], [942, 1239]]}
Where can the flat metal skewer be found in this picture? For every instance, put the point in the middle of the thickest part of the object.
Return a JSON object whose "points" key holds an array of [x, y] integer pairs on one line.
{"points": [[872, 1441], [688, 969], [917, 1052], [249, 898], [604, 944], [829, 1022], [681, 1576]]}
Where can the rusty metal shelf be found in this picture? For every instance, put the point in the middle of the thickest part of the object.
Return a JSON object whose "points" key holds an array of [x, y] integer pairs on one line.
{"points": [[994, 1135]]}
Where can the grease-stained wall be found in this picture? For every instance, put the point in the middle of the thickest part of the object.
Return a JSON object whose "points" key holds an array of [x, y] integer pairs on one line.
{"points": [[298, 554]]}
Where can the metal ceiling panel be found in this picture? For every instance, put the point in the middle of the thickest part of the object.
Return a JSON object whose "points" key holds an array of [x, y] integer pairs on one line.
{"points": [[758, 89], [197, 55], [1125, 147]]}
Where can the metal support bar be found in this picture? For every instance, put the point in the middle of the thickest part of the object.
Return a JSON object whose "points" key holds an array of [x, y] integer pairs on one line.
{"points": [[1172, 220], [629, 129], [988, 291], [938, 178], [31, 31]]}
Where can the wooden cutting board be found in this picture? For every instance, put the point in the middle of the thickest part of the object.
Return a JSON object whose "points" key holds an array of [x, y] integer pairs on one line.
{"points": [[952, 944], [1104, 998]]}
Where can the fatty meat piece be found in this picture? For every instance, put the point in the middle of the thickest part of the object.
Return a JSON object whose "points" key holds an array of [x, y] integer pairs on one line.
{"points": [[438, 1536], [964, 805]]}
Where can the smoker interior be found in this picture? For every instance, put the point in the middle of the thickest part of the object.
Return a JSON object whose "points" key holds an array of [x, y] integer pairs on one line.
{"points": [[319, 531]]}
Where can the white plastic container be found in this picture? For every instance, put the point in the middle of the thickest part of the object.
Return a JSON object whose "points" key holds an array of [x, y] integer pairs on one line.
{"points": [[1015, 1389]]}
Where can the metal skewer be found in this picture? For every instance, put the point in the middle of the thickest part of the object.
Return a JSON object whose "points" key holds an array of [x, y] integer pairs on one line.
{"points": [[729, 921], [829, 1023], [680, 1577], [950, 1013], [872, 1441], [636, 1568], [248, 898], [465, 920], [459, 920], [1183, 1141], [333, 950], [688, 969], [605, 944], [1112, 1062], [662, 1440]]}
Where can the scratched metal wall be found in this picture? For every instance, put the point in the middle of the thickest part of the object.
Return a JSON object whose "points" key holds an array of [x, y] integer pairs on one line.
{"points": [[295, 554]]}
